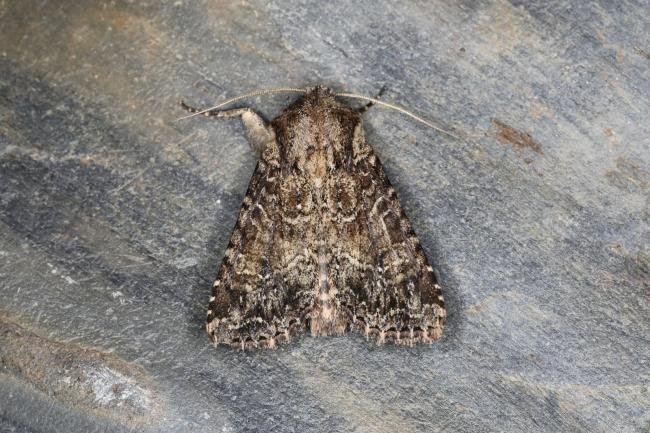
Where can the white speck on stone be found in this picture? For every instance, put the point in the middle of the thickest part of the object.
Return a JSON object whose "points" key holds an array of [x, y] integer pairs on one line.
{"points": [[69, 280]]}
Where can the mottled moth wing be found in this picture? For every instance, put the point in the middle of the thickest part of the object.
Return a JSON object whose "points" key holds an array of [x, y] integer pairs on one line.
{"points": [[400, 301], [248, 308], [322, 241]]}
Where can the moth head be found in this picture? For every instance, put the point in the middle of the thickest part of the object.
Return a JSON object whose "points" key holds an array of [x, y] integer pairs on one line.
{"points": [[321, 92], [317, 98], [315, 133]]}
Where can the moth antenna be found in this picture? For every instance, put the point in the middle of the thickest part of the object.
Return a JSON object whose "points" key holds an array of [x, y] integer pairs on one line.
{"points": [[400, 109], [248, 95]]}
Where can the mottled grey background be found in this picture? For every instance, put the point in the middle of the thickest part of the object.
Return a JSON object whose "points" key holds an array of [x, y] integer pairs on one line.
{"points": [[114, 217]]}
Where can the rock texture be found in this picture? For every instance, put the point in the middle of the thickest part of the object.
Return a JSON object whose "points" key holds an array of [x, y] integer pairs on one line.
{"points": [[114, 217]]}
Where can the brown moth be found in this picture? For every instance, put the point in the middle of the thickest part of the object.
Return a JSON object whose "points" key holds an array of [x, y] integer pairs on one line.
{"points": [[321, 241]]}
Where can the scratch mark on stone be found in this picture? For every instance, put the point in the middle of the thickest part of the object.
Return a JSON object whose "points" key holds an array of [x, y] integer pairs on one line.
{"points": [[129, 182]]}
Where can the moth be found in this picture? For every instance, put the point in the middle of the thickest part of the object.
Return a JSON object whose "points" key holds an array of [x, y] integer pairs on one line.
{"points": [[321, 242]]}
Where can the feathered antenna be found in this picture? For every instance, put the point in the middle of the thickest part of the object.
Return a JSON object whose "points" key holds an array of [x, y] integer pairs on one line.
{"points": [[341, 95]]}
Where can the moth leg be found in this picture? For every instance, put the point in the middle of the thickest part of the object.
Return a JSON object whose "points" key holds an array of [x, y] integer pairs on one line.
{"points": [[365, 108], [257, 131]]}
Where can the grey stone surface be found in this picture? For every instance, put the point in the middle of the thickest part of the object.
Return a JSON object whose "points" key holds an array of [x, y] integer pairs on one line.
{"points": [[113, 217]]}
